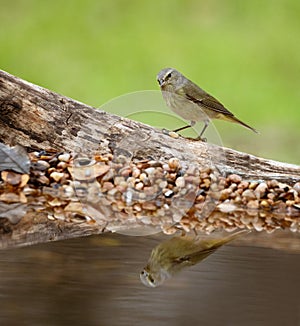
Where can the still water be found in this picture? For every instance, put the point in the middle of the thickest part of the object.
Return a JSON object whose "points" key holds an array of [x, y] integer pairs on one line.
{"points": [[95, 281]]}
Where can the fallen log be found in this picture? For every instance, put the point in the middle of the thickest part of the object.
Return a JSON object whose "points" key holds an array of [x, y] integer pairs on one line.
{"points": [[144, 176]]}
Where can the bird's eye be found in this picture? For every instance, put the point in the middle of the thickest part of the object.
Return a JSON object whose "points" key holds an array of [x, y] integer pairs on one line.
{"points": [[169, 75], [151, 279]]}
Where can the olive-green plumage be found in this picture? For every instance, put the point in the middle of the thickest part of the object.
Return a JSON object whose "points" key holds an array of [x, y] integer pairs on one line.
{"points": [[171, 256], [191, 102]]}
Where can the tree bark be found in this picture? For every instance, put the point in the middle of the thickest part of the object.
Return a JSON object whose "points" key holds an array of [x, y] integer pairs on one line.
{"points": [[40, 119], [35, 117]]}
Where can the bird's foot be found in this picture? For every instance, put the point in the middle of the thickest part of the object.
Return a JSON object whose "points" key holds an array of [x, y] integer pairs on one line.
{"points": [[201, 139], [197, 139], [170, 133], [174, 134]]}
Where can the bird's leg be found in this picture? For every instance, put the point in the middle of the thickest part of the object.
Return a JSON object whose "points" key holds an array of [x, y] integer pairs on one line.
{"points": [[182, 128], [185, 127], [206, 123]]}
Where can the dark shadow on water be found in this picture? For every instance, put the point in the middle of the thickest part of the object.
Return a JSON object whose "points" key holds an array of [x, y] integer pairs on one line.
{"points": [[95, 281]]}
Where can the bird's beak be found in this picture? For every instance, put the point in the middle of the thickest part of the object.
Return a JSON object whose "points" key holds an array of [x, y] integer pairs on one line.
{"points": [[161, 82]]}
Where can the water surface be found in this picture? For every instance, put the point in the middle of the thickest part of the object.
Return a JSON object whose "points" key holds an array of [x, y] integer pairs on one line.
{"points": [[95, 281]]}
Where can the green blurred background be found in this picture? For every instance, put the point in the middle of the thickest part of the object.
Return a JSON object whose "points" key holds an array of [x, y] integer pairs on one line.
{"points": [[245, 53]]}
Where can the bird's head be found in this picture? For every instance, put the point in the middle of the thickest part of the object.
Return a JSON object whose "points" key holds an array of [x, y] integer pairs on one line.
{"points": [[169, 78], [154, 278]]}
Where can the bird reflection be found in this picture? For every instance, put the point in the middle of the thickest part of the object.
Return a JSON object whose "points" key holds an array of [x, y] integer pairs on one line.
{"points": [[177, 253]]}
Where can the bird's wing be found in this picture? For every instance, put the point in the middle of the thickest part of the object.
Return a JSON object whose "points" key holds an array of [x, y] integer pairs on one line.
{"points": [[194, 258], [197, 95]]}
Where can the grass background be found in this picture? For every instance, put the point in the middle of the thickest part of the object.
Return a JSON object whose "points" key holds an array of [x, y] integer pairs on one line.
{"points": [[245, 53]]}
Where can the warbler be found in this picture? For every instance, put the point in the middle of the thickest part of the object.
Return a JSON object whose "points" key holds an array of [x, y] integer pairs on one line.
{"points": [[191, 102], [177, 253]]}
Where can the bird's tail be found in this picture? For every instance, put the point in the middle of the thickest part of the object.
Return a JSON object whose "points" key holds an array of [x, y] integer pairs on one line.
{"points": [[235, 235], [236, 120], [221, 241]]}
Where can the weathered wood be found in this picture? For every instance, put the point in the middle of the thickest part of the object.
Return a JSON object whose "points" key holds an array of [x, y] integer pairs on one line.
{"points": [[35, 117], [36, 228], [40, 119]]}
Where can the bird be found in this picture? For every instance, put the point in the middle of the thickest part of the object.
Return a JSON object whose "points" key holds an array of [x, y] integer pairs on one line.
{"points": [[191, 102], [175, 254]]}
